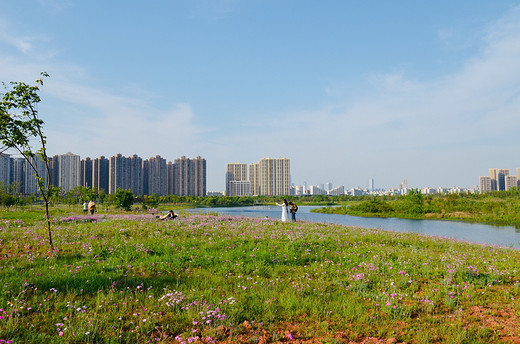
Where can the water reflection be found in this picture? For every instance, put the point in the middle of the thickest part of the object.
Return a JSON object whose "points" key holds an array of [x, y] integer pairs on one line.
{"points": [[508, 236]]}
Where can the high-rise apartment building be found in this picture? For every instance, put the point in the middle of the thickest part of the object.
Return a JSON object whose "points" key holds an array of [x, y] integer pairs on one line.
{"points": [[181, 176], [17, 177], [29, 181], [328, 186], [510, 182], [135, 164], [235, 172], [170, 178], [493, 174], [270, 177], [501, 181], [198, 176], [190, 176], [187, 177], [100, 172], [371, 186], [254, 178], [5, 171], [119, 173], [86, 173], [156, 175], [69, 170], [485, 184]]}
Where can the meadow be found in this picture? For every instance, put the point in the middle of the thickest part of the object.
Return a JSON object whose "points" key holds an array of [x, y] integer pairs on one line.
{"points": [[125, 278]]}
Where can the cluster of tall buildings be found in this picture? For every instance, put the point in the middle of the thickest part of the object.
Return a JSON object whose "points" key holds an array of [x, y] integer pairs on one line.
{"points": [[183, 177], [270, 177], [499, 179]]}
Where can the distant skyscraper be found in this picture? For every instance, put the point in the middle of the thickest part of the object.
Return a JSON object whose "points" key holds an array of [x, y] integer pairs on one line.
{"points": [[30, 183], [240, 188], [254, 178], [198, 176], [493, 174], [501, 174], [235, 172], [86, 173], [170, 178], [485, 184], [119, 173], [270, 177], [18, 174], [5, 171], [328, 186], [190, 176], [157, 176], [510, 182], [100, 172], [340, 190], [69, 170], [136, 175], [371, 187]]}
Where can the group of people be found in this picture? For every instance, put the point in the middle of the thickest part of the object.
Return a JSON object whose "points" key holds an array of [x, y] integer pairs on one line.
{"points": [[288, 207], [89, 206]]}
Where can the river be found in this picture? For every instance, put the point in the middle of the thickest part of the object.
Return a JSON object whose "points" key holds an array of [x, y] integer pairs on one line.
{"points": [[507, 236]]}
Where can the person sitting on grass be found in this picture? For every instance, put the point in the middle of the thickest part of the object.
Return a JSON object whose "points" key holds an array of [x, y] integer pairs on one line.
{"points": [[170, 216]]}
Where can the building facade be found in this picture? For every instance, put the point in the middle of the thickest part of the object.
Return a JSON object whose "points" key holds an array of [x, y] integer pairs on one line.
{"points": [[510, 182], [66, 169], [270, 177], [100, 174], [485, 184], [86, 173], [235, 172], [190, 176]]}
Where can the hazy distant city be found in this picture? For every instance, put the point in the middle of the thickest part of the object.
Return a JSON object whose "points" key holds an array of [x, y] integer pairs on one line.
{"points": [[187, 177]]}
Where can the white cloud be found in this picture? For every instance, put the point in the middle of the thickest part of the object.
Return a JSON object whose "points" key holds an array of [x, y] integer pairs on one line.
{"points": [[115, 124], [22, 44], [412, 128]]}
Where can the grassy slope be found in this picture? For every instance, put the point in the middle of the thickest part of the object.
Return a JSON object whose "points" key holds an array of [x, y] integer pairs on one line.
{"points": [[127, 278]]}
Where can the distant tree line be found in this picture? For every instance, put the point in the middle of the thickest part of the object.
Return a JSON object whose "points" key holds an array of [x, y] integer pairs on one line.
{"points": [[500, 207], [80, 194]]}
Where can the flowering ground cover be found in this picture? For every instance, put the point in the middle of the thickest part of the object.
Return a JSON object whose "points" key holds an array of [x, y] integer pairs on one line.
{"points": [[221, 279]]}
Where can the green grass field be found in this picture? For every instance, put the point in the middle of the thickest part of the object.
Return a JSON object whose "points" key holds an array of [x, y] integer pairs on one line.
{"points": [[213, 279]]}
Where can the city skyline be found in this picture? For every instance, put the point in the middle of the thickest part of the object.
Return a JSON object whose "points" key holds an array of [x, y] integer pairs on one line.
{"points": [[156, 176], [183, 177], [348, 91]]}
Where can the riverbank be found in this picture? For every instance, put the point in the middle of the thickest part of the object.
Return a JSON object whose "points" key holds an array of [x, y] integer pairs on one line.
{"points": [[503, 210], [216, 279]]}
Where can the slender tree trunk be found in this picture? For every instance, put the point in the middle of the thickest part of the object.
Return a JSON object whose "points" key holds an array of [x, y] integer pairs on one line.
{"points": [[48, 222]]}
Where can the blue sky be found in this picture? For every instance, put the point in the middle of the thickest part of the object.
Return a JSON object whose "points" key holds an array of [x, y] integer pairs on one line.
{"points": [[348, 90]]}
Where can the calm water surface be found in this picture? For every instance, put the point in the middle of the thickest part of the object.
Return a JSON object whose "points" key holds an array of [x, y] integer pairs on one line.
{"points": [[472, 232]]}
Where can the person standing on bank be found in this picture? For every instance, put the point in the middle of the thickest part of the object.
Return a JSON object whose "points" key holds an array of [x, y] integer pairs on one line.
{"points": [[293, 210], [284, 209], [92, 207], [85, 207]]}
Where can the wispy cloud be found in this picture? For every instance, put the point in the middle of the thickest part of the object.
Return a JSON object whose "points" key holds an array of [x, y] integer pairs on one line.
{"points": [[22, 44], [410, 125], [130, 125]]}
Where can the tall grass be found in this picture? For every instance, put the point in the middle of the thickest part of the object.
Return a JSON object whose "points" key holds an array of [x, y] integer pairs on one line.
{"points": [[205, 278]]}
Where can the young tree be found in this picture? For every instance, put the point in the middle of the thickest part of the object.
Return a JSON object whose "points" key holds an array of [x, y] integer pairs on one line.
{"points": [[124, 199], [20, 124]]}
